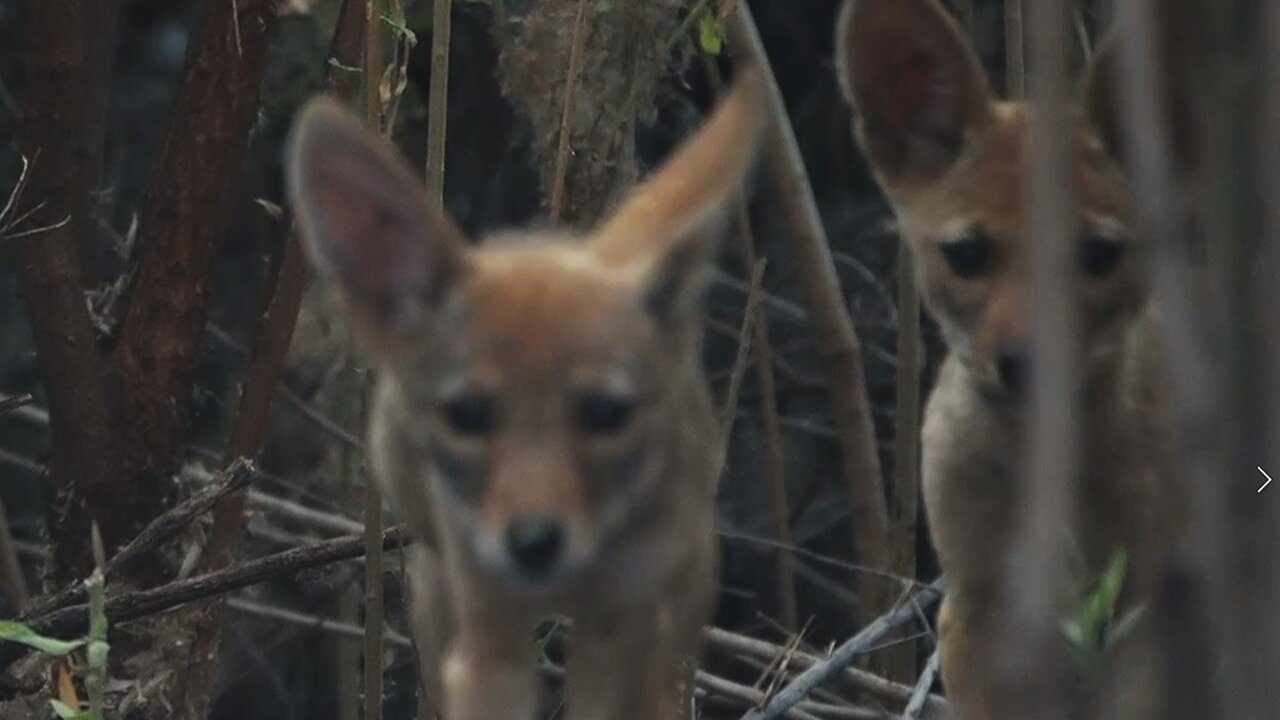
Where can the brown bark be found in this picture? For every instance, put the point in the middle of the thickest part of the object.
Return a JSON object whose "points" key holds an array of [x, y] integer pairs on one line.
{"points": [[835, 338], [183, 223], [249, 430], [53, 138], [99, 29]]}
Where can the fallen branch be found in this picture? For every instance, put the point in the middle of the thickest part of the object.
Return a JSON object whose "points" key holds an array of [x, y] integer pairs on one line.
{"points": [[845, 654], [73, 620], [732, 643], [920, 696], [9, 404], [165, 526]]}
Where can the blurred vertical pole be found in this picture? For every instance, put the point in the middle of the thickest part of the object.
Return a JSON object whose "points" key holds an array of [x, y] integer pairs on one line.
{"points": [[1034, 661], [1150, 81], [1228, 88], [437, 142], [373, 596], [1014, 57], [438, 102], [1266, 283]]}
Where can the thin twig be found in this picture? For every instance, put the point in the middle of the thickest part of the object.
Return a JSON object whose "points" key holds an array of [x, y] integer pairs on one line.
{"points": [[735, 644], [836, 340], [152, 536], [774, 462], [72, 621], [739, 365], [920, 696], [10, 404], [438, 103], [313, 622], [566, 112], [327, 521], [844, 655]]}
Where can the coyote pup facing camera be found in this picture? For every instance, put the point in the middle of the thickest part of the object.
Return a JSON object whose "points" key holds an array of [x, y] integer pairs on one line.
{"points": [[953, 162], [541, 419]]}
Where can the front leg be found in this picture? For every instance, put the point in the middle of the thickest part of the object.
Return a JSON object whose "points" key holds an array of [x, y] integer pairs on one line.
{"points": [[629, 667], [490, 669], [640, 662]]}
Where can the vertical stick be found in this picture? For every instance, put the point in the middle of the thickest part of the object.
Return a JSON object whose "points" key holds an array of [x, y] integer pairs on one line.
{"points": [[1189, 675], [438, 103], [835, 338], [566, 112], [11, 577], [1015, 60], [1037, 668], [1266, 290], [770, 420], [1229, 84], [373, 609]]}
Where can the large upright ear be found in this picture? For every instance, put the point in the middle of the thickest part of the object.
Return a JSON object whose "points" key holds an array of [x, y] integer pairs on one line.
{"points": [[366, 223], [664, 231], [1175, 50], [917, 87]]}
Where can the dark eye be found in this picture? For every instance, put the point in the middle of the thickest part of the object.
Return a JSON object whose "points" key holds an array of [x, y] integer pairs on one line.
{"points": [[469, 414], [1100, 256], [602, 414], [970, 257]]}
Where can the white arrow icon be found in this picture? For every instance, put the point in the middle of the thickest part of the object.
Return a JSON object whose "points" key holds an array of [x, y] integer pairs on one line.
{"points": [[1265, 475]]}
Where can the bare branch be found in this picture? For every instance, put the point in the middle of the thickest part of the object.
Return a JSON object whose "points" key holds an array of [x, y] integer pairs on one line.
{"points": [[836, 341]]}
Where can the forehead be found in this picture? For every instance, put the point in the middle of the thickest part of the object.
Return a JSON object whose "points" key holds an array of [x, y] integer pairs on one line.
{"points": [[534, 307], [990, 182]]}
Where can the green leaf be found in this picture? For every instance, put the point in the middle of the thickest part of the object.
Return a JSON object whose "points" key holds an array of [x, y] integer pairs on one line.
{"points": [[66, 712], [710, 35], [17, 632], [604, 6], [1112, 582]]}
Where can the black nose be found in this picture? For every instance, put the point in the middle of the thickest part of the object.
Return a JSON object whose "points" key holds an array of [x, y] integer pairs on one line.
{"points": [[534, 543], [1011, 364]]}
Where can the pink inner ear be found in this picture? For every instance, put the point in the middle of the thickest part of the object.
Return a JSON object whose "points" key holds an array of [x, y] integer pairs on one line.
{"points": [[907, 92], [369, 243]]}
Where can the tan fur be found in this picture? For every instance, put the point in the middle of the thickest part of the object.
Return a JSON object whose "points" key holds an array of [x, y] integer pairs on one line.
{"points": [[954, 161], [535, 339]]}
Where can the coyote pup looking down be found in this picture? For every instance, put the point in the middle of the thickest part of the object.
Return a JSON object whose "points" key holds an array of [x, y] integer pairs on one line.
{"points": [[953, 162], [541, 418]]}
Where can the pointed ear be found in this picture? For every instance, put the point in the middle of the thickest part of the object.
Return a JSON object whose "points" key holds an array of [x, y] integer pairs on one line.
{"points": [[1174, 39], [665, 230], [365, 221], [915, 84]]}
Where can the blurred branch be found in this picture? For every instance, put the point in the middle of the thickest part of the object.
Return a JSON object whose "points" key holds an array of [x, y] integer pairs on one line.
{"points": [[1149, 143], [310, 621], [836, 341], [1033, 667]]}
